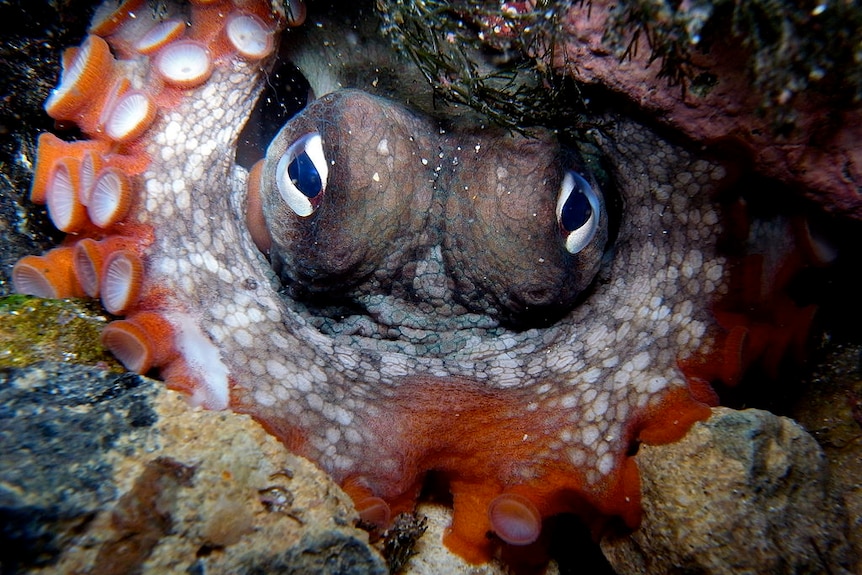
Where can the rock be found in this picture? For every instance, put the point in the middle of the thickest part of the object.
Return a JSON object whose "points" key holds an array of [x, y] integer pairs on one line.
{"points": [[831, 409], [433, 557], [66, 331], [743, 492], [816, 151], [113, 473]]}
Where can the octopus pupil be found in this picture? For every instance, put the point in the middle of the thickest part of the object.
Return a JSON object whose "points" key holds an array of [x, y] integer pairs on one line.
{"points": [[304, 175], [576, 210]]}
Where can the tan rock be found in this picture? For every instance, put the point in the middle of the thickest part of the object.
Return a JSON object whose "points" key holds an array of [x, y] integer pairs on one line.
{"points": [[105, 473], [743, 492]]}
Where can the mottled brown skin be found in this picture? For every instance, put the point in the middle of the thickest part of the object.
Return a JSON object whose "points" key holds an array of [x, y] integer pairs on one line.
{"points": [[363, 226], [502, 242], [485, 198]]}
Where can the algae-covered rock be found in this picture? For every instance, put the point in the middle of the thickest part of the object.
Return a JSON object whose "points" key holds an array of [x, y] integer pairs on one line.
{"points": [[34, 330]]}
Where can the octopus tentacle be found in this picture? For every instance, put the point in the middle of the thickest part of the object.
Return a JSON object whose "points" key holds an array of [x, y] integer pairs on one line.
{"points": [[135, 111]]}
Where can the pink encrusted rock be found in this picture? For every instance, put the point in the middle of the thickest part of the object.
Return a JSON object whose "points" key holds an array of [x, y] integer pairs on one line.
{"points": [[821, 155]]}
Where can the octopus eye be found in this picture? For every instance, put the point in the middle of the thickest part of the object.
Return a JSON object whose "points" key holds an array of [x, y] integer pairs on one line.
{"points": [[578, 211], [301, 174]]}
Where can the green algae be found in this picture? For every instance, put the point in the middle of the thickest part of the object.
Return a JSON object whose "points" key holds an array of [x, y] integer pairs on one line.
{"points": [[503, 76], [34, 330], [494, 56]]}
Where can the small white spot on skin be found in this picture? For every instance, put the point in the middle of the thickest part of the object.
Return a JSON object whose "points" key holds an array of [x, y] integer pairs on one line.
{"points": [[257, 368], [277, 369], [621, 379], [656, 384], [714, 272], [590, 435], [353, 436], [282, 391], [383, 147], [641, 361], [225, 276], [182, 197], [596, 335], [264, 398], [343, 417], [166, 267], [172, 132], [568, 401], [301, 382], [592, 376], [601, 404], [577, 457], [315, 402], [606, 464], [210, 262], [333, 435], [279, 340], [243, 338]]}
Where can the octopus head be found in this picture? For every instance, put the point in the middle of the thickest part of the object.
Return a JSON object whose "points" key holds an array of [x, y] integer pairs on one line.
{"points": [[363, 199]]}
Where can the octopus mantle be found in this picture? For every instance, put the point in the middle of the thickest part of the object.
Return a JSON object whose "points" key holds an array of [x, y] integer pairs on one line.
{"points": [[519, 424]]}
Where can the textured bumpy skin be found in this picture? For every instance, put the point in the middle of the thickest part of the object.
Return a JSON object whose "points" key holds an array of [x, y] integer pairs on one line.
{"points": [[520, 424], [405, 201]]}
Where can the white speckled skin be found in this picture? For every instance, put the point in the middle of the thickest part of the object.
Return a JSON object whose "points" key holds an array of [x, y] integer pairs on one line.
{"points": [[597, 368], [600, 364]]}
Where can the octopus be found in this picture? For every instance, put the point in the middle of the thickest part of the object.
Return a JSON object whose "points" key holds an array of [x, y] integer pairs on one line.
{"points": [[392, 299]]}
